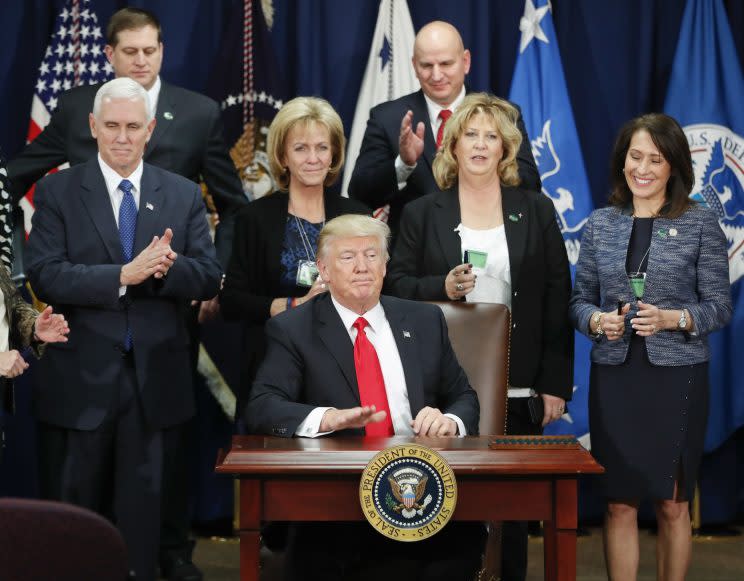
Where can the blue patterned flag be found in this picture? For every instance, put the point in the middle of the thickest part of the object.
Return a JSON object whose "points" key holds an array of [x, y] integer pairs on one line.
{"points": [[705, 95], [539, 88]]}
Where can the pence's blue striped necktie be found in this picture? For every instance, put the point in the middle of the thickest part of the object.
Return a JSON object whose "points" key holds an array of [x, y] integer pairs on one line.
{"points": [[127, 220], [127, 228]]}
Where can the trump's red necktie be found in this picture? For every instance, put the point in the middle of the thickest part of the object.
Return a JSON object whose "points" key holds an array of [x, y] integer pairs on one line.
{"points": [[444, 114], [370, 380]]}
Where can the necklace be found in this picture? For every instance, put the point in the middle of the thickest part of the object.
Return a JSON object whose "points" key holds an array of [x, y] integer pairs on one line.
{"points": [[645, 254], [309, 252]]}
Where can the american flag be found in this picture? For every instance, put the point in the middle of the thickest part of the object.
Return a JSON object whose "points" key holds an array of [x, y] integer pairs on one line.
{"points": [[74, 57]]}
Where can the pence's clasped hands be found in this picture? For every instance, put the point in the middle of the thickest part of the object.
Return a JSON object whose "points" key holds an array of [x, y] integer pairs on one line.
{"points": [[155, 260]]}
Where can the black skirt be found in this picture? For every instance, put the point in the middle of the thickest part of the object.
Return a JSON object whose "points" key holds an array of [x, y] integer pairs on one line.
{"points": [[647, 425]]}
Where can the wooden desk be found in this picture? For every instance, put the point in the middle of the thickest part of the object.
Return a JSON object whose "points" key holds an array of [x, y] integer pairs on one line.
{"points": [[296, 479]]}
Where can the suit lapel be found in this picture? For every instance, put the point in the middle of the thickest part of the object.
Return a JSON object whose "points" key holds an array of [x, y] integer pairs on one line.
{"points": [[165, 115], [96, 200], [336, 340], [405, 339], [516, 226], [619, 244], [446, 218], [150, 209]]}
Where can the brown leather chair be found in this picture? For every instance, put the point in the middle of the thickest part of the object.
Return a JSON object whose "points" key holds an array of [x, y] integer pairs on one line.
{"points": [[51, 540], [479, 333]]}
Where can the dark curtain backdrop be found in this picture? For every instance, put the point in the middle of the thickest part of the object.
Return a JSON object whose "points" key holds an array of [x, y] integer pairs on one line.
{"points": [[617, 56]]}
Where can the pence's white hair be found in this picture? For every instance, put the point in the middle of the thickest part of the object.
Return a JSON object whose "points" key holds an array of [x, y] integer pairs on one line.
{"points": [[122, 88]]}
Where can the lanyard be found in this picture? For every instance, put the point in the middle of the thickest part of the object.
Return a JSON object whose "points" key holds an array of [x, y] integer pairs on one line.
{"points": [[309, 252]]}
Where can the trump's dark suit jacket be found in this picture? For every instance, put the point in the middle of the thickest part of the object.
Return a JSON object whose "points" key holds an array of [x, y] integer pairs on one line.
{"points": [[428, 247], [374, 181], [187, 140], [310, 362], [75, 261]]}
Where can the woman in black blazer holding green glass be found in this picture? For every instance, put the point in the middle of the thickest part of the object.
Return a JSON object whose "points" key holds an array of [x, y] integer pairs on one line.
{"points": [[516, 256]]}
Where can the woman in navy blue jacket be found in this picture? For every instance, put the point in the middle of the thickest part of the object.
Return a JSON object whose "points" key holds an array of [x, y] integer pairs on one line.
{"points": [[648, 400]]}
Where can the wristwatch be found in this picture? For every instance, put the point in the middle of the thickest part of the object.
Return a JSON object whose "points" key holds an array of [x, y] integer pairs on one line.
{"points": [[682, 323], [597, 320]]}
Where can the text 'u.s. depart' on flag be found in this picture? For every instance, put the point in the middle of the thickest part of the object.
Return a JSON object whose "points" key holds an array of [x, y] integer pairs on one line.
{"points": [[705, 95], [539, 88]]}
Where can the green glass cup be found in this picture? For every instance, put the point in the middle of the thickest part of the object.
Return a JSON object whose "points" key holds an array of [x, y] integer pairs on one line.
{"points": [[637, 283]]}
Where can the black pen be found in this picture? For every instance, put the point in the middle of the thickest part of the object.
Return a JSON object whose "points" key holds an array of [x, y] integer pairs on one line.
{"points": [[619, 307]]}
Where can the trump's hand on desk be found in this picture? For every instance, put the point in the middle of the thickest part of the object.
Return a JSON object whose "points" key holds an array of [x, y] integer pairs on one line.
{"points": [[432, 422], [358, 417], [428, 422]]}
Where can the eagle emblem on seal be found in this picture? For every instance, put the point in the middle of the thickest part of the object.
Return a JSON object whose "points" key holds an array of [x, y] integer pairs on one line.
{"points": [[408, 486]]}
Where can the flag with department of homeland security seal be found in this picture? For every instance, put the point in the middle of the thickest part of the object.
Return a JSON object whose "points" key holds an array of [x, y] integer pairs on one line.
{"points": [[247, 83], [539, 88], [705, 95], [73, 57], [388, 75]]}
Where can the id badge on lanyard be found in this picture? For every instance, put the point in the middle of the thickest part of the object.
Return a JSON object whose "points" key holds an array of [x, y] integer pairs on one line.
{"points": [[307, 272]]}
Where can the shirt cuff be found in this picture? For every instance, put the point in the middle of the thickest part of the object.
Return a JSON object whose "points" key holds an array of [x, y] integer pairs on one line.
{"points": [[122, 291], [311, 424], [461, 431], [402, 172]]}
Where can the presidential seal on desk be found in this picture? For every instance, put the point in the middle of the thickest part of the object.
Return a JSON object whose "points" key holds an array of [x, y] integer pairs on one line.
{"points": [[408, 492]]}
